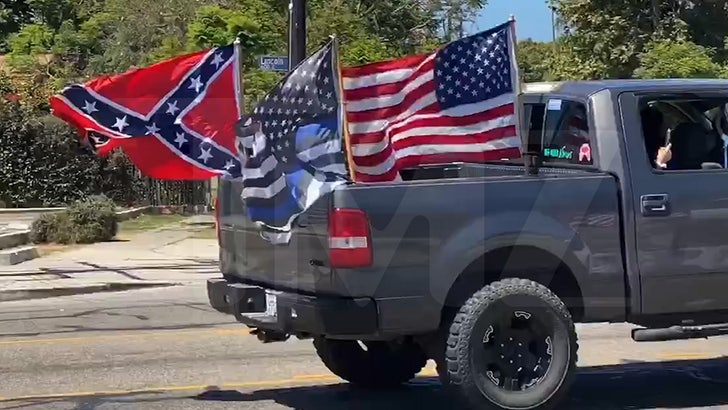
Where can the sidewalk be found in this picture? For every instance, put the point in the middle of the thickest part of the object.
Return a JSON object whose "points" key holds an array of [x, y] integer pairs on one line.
{"points": [[165, 257]]}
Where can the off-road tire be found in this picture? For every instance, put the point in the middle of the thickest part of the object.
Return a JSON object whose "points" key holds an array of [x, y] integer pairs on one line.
{"points": [[381, 366], [469, 383]]}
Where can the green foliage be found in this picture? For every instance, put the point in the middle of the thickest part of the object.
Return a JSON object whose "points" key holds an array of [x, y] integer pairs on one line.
{"points": [[257, 84], [85, 221], [454, 15], [533, 60], [43, 228], [51, 12], [683, 59], [214, 26], [13, 14], [27, 45], [609, 39], [41, 160], [399, 25], [365, 50]]}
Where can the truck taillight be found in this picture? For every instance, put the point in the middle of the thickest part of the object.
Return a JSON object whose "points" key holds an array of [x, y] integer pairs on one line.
{"points": [[349, 239]]}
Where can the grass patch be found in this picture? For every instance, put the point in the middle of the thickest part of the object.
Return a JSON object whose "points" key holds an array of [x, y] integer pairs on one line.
{"points": [[146, 222]]}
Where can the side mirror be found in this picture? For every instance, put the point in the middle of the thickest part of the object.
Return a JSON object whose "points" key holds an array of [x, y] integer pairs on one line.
{"points": [[711, 165]]}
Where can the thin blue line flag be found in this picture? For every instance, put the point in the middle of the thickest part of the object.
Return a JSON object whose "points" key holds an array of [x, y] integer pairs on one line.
{"points": [[292, 147]]}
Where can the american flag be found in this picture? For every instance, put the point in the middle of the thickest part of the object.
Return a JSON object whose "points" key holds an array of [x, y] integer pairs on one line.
{"points": [[292, 147], [456, 104]]}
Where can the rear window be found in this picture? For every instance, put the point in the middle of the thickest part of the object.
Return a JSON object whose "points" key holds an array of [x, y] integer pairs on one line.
{"points": [[566, 137]]}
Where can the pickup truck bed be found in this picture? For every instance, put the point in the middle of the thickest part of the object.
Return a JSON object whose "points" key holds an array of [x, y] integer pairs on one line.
{"points": [[436, 235]]}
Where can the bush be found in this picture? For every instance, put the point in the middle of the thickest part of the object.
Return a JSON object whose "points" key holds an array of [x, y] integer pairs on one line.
{"points": [[86, 221], [43, 228]]}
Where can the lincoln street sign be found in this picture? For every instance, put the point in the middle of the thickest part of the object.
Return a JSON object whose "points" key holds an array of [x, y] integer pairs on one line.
{"points": [[274, 63]]}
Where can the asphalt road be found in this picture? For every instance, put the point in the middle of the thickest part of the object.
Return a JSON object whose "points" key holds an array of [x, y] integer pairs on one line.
{"points": [[166, 349]]}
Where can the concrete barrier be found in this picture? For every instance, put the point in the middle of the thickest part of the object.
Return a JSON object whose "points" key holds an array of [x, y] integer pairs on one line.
{"points": [[13, 239], [17, 255]]}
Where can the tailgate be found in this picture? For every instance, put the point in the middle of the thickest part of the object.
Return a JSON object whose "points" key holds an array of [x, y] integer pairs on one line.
{"points": [[244, 253]]}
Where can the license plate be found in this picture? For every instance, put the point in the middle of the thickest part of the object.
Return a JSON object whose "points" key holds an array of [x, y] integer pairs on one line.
{"points": [[271, 304]]}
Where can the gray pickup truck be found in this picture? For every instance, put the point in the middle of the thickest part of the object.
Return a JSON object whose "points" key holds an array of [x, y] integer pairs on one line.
{"points": [[485, 268]]}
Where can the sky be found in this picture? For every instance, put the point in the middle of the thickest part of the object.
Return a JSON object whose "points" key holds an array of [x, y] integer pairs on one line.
{"points": [[533, 18]]}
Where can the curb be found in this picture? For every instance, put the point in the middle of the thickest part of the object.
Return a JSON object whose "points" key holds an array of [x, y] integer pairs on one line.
{"points": [[10, 295], [132, 213], [29, 210], [13, 239], [14, 256], [199, 223], [184, 209]]}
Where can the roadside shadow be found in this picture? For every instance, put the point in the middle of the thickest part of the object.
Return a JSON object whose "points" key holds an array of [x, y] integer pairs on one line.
{"points": [[675, 384]]}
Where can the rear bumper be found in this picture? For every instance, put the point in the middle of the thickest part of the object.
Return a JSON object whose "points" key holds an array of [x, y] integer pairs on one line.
{"points": [[294, 313]]}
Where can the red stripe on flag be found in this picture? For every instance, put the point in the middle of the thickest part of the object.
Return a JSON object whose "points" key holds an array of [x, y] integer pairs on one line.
{"points": [[388, 88], [383, 66], [387, 112], [442, 140]]}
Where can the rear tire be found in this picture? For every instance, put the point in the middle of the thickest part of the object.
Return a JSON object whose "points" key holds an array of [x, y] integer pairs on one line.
{"points": [[382, 365], [511, 346]]}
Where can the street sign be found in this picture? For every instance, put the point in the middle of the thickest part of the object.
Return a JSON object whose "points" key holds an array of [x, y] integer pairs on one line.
{"points": [[274, 63]]}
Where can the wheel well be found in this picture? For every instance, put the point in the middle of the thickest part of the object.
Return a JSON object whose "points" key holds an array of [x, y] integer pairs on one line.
{"points": [[527, 262]]}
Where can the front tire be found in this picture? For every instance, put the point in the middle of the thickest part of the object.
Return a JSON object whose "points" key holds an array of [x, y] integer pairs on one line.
{"points": [[381, 365], [512, 345]]}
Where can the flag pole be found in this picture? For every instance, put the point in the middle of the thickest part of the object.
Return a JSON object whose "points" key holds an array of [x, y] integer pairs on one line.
{"points": [[529, 157], [514, 52], [342, 111], [239, 86]]}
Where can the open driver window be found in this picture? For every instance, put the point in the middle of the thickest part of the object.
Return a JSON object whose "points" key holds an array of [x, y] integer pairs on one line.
{"points": [[695, 127]]}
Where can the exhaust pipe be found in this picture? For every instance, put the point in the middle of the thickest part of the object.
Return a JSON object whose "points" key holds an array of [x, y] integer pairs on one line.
{"points": [[269, 336]]}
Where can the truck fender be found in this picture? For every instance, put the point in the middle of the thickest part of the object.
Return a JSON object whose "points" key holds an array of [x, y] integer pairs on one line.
{"points": [[506, 229]]}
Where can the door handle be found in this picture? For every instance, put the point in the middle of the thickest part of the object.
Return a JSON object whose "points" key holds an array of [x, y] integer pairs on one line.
{"points": [[655, 205]]}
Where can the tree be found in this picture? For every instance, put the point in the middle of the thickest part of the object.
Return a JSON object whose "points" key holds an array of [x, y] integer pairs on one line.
{"points": [[406, 25], [533, 60], [607, 38], [357, 44], [52, 12], [604, 38], [706, 24], [685, 59], [28, 45], [214, 26], [13, 15], [453, 15]]}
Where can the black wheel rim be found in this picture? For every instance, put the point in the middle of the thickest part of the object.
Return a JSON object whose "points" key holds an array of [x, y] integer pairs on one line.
{"points": [[515, 351]]}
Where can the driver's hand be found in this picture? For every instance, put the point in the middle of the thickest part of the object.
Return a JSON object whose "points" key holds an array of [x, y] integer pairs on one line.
{"points": [[664, 155]]}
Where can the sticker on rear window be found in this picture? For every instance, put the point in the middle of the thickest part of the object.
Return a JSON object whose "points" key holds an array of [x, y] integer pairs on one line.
{"points": [[554, 105]]}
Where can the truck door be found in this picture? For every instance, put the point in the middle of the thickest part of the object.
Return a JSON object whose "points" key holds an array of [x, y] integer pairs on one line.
{"points": [[681, 214]]}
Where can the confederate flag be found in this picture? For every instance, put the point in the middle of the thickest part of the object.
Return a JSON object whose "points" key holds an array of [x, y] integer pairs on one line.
{"points": [[174, 119]]}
